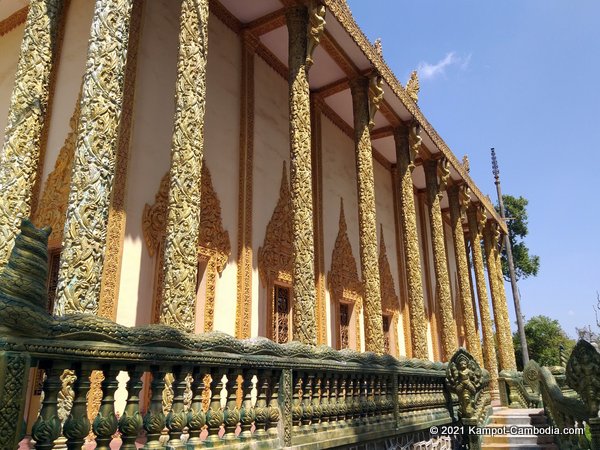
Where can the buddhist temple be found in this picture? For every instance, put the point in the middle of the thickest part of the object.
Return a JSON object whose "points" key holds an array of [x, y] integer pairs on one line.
{"points": [[247, 167]]}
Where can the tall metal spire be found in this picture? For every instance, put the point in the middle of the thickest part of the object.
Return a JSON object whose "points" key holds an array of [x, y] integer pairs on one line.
{"points": [[511, 265]]}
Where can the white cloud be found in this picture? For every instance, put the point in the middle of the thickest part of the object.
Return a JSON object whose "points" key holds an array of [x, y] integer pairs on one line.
{"points": [[571, 312], [429, 71]]}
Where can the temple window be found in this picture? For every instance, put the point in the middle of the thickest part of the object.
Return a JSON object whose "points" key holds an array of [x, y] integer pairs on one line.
{"points": [[282, 331]]}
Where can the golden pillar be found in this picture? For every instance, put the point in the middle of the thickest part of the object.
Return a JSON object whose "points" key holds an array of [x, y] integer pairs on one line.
{"points": [[476, 218], [408, 144], [506, 354], [462, 267], [436, 177], [82, 258], [305, 26], [366, 95], [180, 265], [501, 290], [26, 116]]}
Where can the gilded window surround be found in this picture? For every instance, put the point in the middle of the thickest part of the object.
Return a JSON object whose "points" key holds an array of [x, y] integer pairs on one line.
{"points": [[390, 304], [213, 245], [275, 256], [343, 282]]}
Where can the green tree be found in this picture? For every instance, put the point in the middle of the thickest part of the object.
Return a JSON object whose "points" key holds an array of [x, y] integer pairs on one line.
{"points": [[526, 265], [544, 337]]}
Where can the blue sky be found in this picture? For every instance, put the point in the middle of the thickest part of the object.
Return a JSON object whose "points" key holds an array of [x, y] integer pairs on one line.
{"points": [[522, 76]]}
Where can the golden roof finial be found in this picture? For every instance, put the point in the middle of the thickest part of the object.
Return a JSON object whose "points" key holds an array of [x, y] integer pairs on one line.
{"points": [[465, 163], [412, 86], [378, 48]]}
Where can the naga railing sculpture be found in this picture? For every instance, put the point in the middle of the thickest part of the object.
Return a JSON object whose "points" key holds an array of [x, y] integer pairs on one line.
{"points": [[226, 392]]}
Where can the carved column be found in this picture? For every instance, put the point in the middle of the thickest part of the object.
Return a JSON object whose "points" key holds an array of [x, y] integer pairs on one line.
{"points": [[462, 267], [506, 354], [246, 167], [305, 26], [180, 263], [82, 257], [366, 94], [26, 116], [497, 240], [436, 177], [476, 219], [408, 143]]}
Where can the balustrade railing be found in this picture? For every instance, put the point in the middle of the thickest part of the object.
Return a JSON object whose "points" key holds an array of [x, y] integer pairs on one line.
{"points": [[222, 391]]}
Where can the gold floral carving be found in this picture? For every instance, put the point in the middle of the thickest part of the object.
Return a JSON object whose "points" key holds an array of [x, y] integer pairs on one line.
{"points": [[407, 144], [443, 294], [342, 13], [275, 257], [213, 244], [26, 116], [180, 262], [303, 37], [389, 300], [93, 173], [246, 167], [462, 269], [364, 104], [13, 21], [506, 353], [413, 87], [111, 271], [342, 280], [390, 304], [475, 215], [52, 209]]}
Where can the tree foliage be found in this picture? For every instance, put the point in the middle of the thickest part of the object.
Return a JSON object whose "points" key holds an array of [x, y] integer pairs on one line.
{"points": [[544, 338], [526, 265]]}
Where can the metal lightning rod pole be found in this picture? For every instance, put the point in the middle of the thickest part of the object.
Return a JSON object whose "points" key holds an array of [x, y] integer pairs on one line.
{"points": [[511, 264]]}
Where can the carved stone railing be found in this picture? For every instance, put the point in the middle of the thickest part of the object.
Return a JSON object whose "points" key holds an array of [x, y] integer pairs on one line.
{"points": [[225, 392], [520, 389]]}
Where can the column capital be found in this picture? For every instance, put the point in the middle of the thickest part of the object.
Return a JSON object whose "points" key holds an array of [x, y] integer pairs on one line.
{"points": [[310, 17], [437, 174]]}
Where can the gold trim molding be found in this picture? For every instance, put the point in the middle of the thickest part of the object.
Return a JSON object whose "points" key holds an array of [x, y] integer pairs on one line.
{"points": [[214, 247]]}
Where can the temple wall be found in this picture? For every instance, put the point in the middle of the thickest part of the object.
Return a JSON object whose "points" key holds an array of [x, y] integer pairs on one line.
{"points": [[221, 150], [150, 155], [69, 77], [150, 146], [271, 149], [339, 181], [10, 45]]}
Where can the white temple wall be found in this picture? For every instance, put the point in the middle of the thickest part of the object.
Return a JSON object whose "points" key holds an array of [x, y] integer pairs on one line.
{"points": [[149, 153], [221, 150], [10, 46], [339, 181], [271, 149], [69, 77]]}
